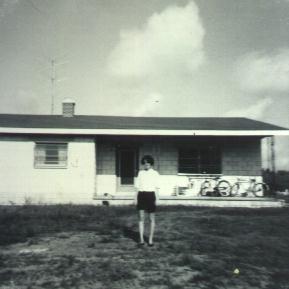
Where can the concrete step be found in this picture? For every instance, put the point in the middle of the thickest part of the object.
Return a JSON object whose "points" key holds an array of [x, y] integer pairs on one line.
{"points": [[244, 202]]}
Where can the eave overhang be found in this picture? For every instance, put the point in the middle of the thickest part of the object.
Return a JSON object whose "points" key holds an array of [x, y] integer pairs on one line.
{"points": [[142, 132]]}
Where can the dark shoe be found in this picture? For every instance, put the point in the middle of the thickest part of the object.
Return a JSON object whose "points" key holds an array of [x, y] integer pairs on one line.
{"points": [[141, 244], [150, 244]]}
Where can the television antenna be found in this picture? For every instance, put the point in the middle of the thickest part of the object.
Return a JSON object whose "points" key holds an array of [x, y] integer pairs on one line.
{"points": [[53, 80], [273, 161]]}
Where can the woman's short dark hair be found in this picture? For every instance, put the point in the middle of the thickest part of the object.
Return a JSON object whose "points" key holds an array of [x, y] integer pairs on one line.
{"points": [[147, 159]]}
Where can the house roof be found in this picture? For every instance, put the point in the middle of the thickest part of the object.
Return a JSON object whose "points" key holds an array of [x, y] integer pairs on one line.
{"points": [[84, 124]]}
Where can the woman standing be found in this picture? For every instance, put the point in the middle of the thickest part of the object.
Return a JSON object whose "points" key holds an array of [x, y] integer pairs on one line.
{"points": [[146, 197]]}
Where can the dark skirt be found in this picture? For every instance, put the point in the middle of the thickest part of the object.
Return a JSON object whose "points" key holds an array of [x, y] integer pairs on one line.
{"points": [[146, 201]]}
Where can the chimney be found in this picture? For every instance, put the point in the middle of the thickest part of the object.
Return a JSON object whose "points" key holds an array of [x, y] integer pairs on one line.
{"points": [[68, 106]]}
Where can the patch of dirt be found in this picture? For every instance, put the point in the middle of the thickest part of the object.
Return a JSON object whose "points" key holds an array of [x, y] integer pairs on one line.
{"points": [[193, 249]]}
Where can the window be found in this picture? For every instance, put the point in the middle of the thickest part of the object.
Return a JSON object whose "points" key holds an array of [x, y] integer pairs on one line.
{"points": [[201, 160], [50, 155]]}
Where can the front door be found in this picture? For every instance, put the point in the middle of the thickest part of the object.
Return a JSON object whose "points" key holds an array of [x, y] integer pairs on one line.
{"points": [[127, 167]]}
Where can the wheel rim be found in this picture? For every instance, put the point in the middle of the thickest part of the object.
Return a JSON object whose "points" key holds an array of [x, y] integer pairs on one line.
{"points": [[204, 188], [260, 189], [234, 190], [224, 188]]}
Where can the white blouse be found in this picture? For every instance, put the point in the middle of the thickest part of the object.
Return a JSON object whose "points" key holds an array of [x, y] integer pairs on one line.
{"points": [[148, 180]]}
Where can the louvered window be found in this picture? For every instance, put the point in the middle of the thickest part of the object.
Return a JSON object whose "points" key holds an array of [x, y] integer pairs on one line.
{"points": [[200, 160], [50, 155]]}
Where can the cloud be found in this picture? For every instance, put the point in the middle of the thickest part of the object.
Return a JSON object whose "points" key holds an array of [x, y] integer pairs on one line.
{"points": [[257, 72], [281, 153], [149, 105], [23, 100], [255, 111], [169, 42], [6, 6]]}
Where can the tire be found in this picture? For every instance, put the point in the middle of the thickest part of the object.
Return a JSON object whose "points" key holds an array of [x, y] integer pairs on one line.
{"points": [[204, 187], [235, 189], [260, 189], [224, 188]]}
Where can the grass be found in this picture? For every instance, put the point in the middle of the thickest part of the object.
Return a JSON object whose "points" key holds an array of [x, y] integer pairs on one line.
{"points": [[95, 247]]}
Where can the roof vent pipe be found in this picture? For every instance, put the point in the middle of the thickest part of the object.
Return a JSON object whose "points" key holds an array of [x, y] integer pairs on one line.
{"points": [[68, 106]]}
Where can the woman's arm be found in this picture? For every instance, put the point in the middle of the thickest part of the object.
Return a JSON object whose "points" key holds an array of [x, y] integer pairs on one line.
{"points": [[137, 185], [135, 198], [157, 195], [157, 189]]}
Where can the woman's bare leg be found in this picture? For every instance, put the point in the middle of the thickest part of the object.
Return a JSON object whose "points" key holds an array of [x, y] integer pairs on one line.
{"points": [[141, 225], [152, 227]]}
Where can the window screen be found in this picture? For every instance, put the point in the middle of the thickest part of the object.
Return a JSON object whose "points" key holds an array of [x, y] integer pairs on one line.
{"points": [[201, 160], [50, 155]]}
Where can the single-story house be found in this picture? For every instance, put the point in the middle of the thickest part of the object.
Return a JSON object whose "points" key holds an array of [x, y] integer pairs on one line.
{"points": [[72, 158]]}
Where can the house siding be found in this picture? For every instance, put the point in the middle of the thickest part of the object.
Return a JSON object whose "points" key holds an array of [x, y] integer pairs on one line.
{"points": [[106, 168], [106, 155], [168, 159], [21, 182], [91, 169], [240, 157]]}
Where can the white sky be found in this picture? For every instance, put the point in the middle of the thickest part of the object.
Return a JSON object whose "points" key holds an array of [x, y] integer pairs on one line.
{"points": [[150, 58]]}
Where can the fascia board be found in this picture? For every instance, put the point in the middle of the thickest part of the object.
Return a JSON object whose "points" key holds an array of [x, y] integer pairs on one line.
{"points": [[65, 131]]}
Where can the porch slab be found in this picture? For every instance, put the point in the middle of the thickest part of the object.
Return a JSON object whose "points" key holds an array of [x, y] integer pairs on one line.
{"points": [[237, 202]]}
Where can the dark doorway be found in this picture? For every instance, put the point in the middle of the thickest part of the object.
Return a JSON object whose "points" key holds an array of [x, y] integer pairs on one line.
{"points": [[127, 167]]}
